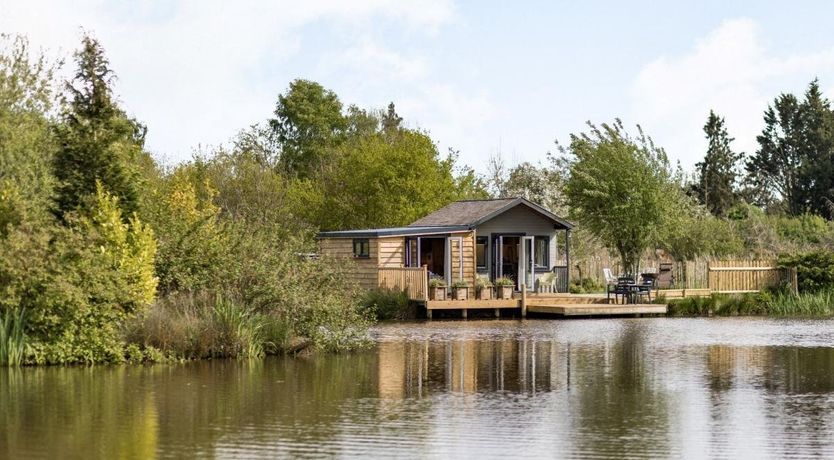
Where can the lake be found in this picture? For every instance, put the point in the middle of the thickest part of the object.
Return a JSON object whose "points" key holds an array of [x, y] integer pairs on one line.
{"points": [[601, 388]]}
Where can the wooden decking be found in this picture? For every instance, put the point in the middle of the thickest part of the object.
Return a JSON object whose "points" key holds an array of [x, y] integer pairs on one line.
{"points": [[549, 304]]}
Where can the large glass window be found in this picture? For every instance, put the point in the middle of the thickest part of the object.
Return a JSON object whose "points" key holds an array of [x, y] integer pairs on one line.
{"points": [[480, 253], [542, 252], [361, 248]]}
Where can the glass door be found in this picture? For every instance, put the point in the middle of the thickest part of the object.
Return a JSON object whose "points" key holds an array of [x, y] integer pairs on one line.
{"points": [[527, 262]]}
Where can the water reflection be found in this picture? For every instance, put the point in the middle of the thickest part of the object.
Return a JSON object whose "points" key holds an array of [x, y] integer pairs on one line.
{"points": [[618, 388]]}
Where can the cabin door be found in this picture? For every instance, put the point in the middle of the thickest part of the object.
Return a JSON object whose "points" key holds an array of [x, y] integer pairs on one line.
{"points": [[527, 262]]}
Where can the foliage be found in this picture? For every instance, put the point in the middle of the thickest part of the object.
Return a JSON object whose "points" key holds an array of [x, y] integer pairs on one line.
{"points": [[26, 143], [384, 179], [716, 184], [12, 337], [504, 281], [460, 284], [795, 159], [98, 142], [206, 326], [386, 304], [308, 121], [537, 183], [620, 188], [586, 286], [814, 270], [780, 303], [483, 283], [437, 282]]}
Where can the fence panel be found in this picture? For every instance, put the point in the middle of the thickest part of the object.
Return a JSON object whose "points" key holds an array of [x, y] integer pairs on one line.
{"points": [[729, 276], [412, 280]]}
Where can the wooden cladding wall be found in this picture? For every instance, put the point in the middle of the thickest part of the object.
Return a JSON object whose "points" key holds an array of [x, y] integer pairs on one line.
{"points": [[365, 269], [732, 276], [391, 251], [412, 280], [468, 248]]}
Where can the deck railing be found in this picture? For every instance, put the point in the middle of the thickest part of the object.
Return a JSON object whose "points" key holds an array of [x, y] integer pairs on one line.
{"points": [[413, 280]]}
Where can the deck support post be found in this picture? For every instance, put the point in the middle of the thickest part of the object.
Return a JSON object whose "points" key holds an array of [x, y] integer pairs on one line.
{"points": [[464, 313], [428, 314], [523, 300], [497, 312]]}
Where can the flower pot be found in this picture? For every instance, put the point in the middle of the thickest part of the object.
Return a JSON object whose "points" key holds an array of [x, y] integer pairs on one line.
{"points": [[460, 293], [437, 293], [485, 293], [505, 292]]}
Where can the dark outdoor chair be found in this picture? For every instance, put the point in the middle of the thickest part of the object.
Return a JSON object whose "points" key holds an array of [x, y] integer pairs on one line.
{"points": [[645, 289], [621, 289]]}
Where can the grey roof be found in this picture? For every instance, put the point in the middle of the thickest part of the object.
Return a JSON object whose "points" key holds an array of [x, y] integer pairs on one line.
{"points": [[395, 231], [471, 213]]}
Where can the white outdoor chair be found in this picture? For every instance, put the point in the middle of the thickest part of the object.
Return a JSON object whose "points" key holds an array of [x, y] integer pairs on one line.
{"points": [[609, 277]]}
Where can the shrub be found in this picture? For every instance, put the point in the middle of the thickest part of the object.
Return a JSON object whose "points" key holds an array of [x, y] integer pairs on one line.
{"points": [[586, 286], [504, 281], [436, 282], [814, 270], [388, 304], [460, 284]]}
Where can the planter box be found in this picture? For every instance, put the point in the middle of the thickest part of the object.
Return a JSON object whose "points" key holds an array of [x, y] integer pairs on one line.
{"points": [[485, 293], [460, 293], [505, 292], [437, 293]]}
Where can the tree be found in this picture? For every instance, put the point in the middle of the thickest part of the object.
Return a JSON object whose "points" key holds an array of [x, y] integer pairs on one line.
{"points": [[308, 122], [716, 184], [26, 142], [817, 171], [796, 153], [98, 142], [390, 120], [619, 188], [383, 180]]}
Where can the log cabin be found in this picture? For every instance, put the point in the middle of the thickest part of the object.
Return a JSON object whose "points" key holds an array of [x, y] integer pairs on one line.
{"points": [[508, 237]]}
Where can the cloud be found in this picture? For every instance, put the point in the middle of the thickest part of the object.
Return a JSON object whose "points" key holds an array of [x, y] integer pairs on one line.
{"points": [[197, 71], [730, 70]]}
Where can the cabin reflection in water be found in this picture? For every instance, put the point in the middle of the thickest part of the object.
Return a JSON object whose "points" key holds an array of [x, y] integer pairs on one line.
{"points": [[414, 369]]}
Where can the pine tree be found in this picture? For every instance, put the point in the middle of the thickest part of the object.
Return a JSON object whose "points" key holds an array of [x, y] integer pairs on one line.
{"points": [[98, 142], [817, 171], [716, 186], [795, 160], [390, 120]]}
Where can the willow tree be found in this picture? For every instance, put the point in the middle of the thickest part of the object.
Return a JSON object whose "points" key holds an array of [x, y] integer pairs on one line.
{"points": [[620, 188]]}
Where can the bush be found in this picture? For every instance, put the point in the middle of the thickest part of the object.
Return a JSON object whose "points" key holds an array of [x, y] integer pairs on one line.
{"points": [[586, 286], [12, 337], [814, 270], [388, 304]]}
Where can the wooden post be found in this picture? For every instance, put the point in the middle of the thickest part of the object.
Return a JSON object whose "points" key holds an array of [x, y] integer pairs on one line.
{"points": [[428, 313], [523, 300], [464, 313], [497, 312]]}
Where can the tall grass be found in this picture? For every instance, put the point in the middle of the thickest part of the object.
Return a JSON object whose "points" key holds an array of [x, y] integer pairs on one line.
{"points": [[780, 303], [12, 337], [186, 326]]}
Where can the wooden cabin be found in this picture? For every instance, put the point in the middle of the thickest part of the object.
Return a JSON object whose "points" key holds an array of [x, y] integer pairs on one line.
{"points": [[510, 237]]}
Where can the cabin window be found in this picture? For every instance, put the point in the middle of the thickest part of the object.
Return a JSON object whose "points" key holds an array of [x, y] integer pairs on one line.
{"points": [[542, 252], [361, 248], [480, 253]]}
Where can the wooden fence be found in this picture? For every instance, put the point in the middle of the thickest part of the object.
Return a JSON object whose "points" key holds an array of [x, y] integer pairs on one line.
{"points": [[737, 276], [413, 280]]}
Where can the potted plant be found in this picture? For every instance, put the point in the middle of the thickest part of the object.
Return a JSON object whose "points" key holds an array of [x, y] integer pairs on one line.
{"points": [[460, 290], [437, 289], [505, 288], [483, 289]]}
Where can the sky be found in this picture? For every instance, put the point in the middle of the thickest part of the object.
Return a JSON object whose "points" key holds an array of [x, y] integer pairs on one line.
{"points": [[481, 77]]}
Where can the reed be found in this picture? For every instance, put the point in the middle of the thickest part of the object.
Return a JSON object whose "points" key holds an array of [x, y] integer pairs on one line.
{"points": [[819, 303], [12, 337]]}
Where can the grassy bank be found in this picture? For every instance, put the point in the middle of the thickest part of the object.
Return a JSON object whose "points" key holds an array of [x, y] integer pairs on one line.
{"points": [[819, 303]]}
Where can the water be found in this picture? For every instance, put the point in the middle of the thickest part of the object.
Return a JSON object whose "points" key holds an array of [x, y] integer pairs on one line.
{"points": [[611, 388]]}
